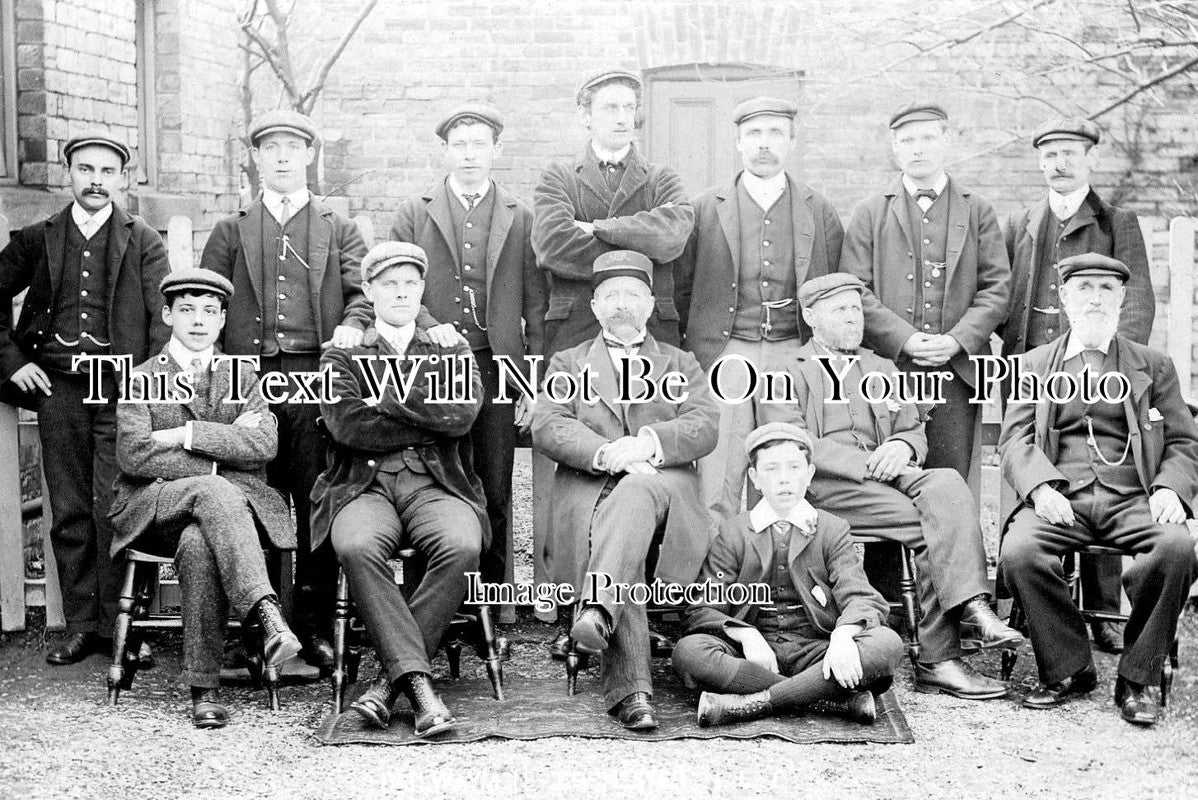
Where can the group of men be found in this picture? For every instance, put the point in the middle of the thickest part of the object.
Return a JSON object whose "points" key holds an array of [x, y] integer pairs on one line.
{"points": [[614, 262]]}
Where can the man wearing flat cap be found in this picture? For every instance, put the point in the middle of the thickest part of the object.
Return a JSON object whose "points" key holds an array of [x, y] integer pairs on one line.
{"points": [[1074, 220], [92, 271], [193, 485], [868, 460], [820, 637], [1119, 474], [483, 283], [931, 255], [398, 477], [755, 241], [625, 478]]}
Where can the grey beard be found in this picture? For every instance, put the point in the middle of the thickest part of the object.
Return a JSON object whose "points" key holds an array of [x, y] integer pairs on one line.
{"points": [[832, 343], [1095, 332]]}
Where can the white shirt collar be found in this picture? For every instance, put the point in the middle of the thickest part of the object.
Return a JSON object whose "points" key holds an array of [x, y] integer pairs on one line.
{"points": [[456, 188], [398, 337], [610, 155], [1074, 347], [1066, 205], [274, 201], [764, 191], [87, 223], [635, 341], [937, 187], [802, 516], [183, 355]]}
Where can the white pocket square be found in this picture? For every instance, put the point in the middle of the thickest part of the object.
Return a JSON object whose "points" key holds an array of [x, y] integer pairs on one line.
{"points": [[1154, 415]]}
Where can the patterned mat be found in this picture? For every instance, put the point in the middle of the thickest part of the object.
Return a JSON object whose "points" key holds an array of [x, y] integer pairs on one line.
{"points": [[536, 708]]}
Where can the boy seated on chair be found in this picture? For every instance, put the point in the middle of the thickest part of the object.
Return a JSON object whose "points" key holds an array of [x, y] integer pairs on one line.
{"points": [[822, 637], [192, 484]]}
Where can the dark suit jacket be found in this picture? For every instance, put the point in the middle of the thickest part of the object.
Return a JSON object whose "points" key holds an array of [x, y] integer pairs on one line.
{"points": [[1164, 438], [362, 432], [571, 433], [878, 249], [892, 420], [649, 213], [516, 289], [135, 265], [239, 453], [710, 264], [827, 559], [1095, 228], [335, 250]]}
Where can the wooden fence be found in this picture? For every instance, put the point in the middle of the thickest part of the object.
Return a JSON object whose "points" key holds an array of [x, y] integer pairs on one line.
{"points": [[23, 511]]}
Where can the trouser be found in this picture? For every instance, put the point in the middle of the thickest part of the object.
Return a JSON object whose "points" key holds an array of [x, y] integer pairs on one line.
{"points": [[932, 513], [543, 469], [950, 426], [722, 473], [398, 510], [294, 470], [79, 460], [1157, 582], [718, 664], [493, 445], [207, 522]]}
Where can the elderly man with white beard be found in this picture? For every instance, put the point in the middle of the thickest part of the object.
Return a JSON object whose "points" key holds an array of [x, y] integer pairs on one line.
{"points": [[1119, 474]]}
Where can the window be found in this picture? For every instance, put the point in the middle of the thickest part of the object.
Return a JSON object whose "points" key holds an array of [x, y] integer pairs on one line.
{"points": [[147, 94], [8, 91]]}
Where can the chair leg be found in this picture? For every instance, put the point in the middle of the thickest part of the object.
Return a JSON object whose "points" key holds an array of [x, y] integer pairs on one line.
{"points": [[340, 629], [1010, 655], [120, 635], [271, 677], [910, 604], [250, 641], [1167, 671], [453, 652], [494, 663], [573, 659]]}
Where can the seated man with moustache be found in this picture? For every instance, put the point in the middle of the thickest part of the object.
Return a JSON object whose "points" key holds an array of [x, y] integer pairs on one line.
{"points": [[867, 471], [625, 472], [1119, 474], [399, 477], [193, 484], [822, 638]]}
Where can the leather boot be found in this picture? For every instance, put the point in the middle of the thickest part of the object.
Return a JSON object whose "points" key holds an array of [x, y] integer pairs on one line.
{"points": [[375, 703], [278, 642], [206, 709], [980, 628], [1135, 704], [723, 709], [432, 717]]}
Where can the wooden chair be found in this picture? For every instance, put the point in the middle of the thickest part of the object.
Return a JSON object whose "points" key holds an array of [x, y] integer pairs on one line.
{"points": [[138, 590], [908, 603], [1018, 619], [476, 629]]}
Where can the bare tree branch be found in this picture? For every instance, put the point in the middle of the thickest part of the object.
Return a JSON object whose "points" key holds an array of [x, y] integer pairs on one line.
{"points": [[308, 99], [1164, 76]]}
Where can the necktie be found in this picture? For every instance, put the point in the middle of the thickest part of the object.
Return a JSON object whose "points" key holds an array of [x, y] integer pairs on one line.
{"points": [[284, 211], [614, 344], [471, 199], [782, 527], [610, 165], [928, 193]]}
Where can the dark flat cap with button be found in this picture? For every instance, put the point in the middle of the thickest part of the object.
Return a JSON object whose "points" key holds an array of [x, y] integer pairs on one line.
{"points": [[390, 254], [471, 112], [778, 432], [817, 289], [1092, 264], [194, 279], [283, 120], [608, 76], [1068, 129], [622, 263], [762, 106], [100, 139], [918, 111]]}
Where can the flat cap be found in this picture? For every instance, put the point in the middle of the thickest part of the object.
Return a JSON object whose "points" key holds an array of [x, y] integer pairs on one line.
{"points": [[919, 111], [471, 112], [759, 106], [817, 289], [194, 279], [1068, 128], [95, 138], [778, 432], [619, 263], [607, 76], [1092, 264], [282, 120], [390, 254]]}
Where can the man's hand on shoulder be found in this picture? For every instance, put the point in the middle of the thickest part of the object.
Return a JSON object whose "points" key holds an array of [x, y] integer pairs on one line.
{"points": [[345, 337], [445, 335]]}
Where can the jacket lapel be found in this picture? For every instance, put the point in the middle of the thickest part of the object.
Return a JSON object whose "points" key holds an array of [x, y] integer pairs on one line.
{"points": [[730, 222], [501, 223], [1055, 359], [761, 549], [320, 238], [587, 170], [441, 216], [56, 244], [813, 374], [898, 208], [118, 243], [958, 225], [804, 228], [249, 228], [604, 375], [635, 175], [1083, 217], [798, 543], [1132, 365]]}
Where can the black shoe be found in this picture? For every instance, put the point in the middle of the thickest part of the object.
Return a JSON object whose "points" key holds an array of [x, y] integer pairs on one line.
{"points": [[318, 652], [957, 678], [206, 709], [724, 709], [862, 707], [432, 717], [635, 712], [980, 628], [1108, 636], [77, 647], [1079, 683], [278, 642], [1135, 705], [375, 703], [591, 630]]}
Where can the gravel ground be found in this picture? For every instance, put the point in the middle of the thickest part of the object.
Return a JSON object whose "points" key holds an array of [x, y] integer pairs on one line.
{"points": [[58, 739]]}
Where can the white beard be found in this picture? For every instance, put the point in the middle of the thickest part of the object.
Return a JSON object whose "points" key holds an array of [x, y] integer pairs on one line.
{"points": [[1094, 331]]}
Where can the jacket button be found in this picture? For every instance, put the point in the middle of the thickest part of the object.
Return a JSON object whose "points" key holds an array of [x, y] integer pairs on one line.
{"points": [[257, 341], [257, 319], [371, 463], [723, 333], [158, 480]]}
